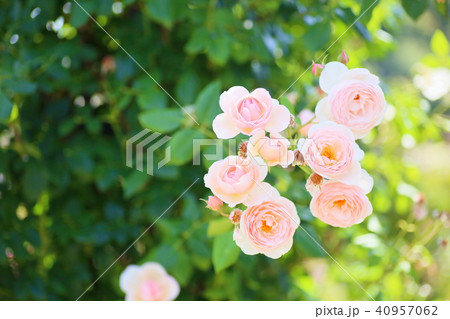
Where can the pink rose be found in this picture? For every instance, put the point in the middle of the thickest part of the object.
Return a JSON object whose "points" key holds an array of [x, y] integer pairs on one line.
{"points": [[267, 228], [245, 112], [214, 203], [148, 282], [340, 205], [331, 152], [274, 150], [236, 179], [306, 116], [355, 98]]}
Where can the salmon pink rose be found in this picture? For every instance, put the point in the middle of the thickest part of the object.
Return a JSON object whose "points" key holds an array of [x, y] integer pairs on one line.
{"points": [[331, 152], [245, 112], [354, 98], [148, 282], [267, 228], [274, 150], [340, 205], [236, 179]]}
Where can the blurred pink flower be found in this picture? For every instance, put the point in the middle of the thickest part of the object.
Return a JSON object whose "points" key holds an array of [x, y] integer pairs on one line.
{"points": [[268, 228], [245, 112], [306, 116], [148, 282]]}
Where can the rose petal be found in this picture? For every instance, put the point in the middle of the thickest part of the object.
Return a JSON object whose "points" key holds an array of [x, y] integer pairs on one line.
{"points": [[330, 75], [365, 181], [323, 111], [260, 193], [229, 98], [223, 126], [279, 119]]}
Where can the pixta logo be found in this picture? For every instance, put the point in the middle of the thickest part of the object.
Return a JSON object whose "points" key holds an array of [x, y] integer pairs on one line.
{"points": [[142, 146]]}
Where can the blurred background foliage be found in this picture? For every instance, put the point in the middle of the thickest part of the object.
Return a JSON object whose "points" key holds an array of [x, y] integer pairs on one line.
{"points": [[70, 97]]}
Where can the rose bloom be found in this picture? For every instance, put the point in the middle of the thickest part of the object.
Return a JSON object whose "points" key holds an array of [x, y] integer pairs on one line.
{"points": [[274, 150], [148, 282], [236, 179], [245, 112], [306, 116], [331, 152], [267, 228], [340, 205], [354, 98]]}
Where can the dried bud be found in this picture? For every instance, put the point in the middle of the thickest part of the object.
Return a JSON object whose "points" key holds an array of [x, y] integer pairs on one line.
{"points": [[235, 216], [313, 183], [298, 158], [214, 203], [108, 64], [292, 121], [343, 58], [317, 68], [243, 149], [316, 179]]}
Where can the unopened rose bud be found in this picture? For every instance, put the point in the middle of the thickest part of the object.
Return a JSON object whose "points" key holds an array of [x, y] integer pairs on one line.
{"points": [[298, 158], [235, 216], [214, 203], [243, 149], [343, 58], [317, 69]]}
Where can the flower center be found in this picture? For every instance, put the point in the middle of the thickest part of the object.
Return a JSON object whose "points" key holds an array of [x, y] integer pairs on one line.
{"points": [[150, 290], [328, 154], [250, 110], [233, 174], [339, 203]]}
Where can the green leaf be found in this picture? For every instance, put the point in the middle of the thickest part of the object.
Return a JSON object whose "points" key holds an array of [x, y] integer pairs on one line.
{"points": [[306, 244], [5, 107], [317, 36], [218, 226], [365, 13], [219, 49], [207, 103], [133, 183], [187, 88], [439, 43], [161, 120], [181, 145], [225, 252], [161, 11], [198, 41], [415, 8]]}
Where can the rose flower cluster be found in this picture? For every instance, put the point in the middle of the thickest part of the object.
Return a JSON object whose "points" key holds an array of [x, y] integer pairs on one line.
{"points": [[325, 141]]}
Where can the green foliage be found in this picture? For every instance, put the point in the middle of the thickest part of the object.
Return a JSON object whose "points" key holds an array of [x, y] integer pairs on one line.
{"points": [[70, 98]]}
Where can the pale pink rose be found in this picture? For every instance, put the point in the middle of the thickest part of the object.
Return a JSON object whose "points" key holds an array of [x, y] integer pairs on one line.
{"points": [[236, 179], [274, 150], [149, 281], [355, 98], [214, 203], [306, 116], [245, 112], [267, 228], [331, 152], [340, 205]]}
